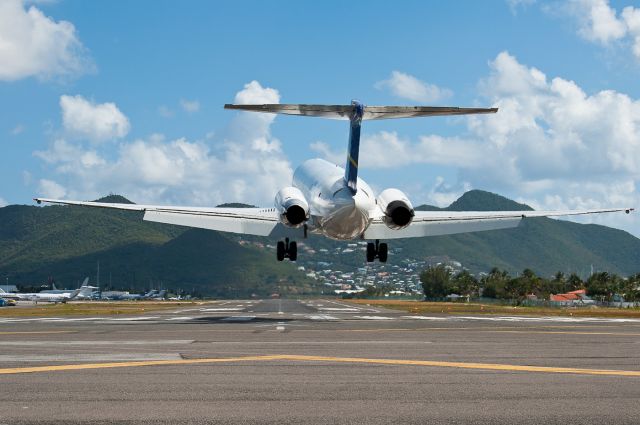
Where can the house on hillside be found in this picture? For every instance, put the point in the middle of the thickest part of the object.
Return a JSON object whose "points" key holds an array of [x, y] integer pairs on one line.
{"points": [[578, 297]]}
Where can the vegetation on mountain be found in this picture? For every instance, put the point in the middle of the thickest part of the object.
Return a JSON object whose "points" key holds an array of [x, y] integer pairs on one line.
{"points": [[66, 243], [542, 244]]}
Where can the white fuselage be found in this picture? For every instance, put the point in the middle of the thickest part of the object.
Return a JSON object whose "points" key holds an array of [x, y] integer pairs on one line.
{"points": [[335, 211]]}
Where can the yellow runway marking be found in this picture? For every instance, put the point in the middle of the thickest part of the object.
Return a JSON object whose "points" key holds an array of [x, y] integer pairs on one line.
{"points": [[36, 332], [84, 366], [566, 332], [300, 358], [493, 330]]}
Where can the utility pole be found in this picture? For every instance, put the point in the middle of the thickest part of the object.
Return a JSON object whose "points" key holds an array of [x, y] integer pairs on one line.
{"points": [[98, 275]]}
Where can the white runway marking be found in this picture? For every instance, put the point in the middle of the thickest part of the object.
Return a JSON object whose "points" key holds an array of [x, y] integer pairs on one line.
{"points": [[89, 357], [98, 342], [425, 318], [558, 319], [132, 319], [222, 309], [374, 317], [321, 317], [238, 318], [345, 309]]}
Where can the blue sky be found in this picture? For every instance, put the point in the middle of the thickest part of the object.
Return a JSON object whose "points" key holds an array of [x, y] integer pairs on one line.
{"points": [[126, 97]]}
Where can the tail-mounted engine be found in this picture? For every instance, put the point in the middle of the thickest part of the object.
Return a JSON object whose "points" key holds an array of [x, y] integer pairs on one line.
{"points": [[398, 211], [292, 206]]}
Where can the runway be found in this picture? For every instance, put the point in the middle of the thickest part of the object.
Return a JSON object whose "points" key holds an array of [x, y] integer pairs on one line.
{"points": [[318, 361]]}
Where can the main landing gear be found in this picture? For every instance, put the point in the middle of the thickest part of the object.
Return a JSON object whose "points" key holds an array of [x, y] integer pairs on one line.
{"points": [[377, 250], [287, 249]]}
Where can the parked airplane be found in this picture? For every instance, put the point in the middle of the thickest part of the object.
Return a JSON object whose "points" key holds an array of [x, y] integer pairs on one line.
{"points": [[333, 201], [84, 292]]}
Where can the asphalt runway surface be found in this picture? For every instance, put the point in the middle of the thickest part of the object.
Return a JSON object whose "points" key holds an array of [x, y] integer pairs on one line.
{"points": [[318, 361]]}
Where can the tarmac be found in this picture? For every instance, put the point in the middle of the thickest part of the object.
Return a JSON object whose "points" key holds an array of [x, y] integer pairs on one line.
{"points": [[318, 361]]}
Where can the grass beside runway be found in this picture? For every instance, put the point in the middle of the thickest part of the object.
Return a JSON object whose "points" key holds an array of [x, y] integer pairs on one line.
{"points": [[91, 308], [421, 307]]}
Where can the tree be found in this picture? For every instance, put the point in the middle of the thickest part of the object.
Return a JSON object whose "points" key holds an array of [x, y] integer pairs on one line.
{"points": [[494, 284], [574, 282], [436, 281], [464, 283], [603, 285]]}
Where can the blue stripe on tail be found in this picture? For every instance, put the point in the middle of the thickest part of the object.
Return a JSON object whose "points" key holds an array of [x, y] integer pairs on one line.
{"points": [[351, 169]]}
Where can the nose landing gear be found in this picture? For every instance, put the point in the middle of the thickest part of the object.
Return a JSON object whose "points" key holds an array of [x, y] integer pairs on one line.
{"points": [[287, 249], [377, 250]]}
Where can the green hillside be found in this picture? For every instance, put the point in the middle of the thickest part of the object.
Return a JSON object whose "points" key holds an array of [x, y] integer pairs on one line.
{"points": [[66, 243], [542, 244]]}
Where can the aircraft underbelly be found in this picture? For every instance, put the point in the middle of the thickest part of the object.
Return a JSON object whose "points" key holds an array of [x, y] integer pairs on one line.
{"points": [[344, 223]]}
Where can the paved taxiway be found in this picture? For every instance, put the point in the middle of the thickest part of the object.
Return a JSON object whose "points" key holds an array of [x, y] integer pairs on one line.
{"points": [[318, 361]]}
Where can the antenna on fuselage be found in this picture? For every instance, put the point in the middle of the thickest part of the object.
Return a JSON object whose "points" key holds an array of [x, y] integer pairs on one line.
{"points": [[356, 113]]}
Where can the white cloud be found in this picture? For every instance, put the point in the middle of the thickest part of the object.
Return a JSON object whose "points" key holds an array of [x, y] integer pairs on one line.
{"points": [[631, 18], [3, 203], [597, 20], [165, 112], [17, 129], [94, 121], [34, 45], [443, 194], [514, 5], [190, 106], [600, 23], [327, 153], [409, 87], [551, 143], [247, 164], [51, 189]]}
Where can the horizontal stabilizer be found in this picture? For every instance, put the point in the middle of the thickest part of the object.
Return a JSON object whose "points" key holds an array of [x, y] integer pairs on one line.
{"points": [[346, 112]]}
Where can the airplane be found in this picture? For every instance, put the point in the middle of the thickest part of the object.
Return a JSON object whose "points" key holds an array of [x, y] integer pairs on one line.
{"points": [[83, 292], [332, 201]]}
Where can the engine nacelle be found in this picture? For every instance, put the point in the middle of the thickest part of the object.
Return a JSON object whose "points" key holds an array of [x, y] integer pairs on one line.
{"points": [[292, 206], [398, 211]]}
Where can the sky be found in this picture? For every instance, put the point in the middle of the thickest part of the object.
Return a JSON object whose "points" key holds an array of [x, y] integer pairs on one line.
{"points": [[127, 97]]}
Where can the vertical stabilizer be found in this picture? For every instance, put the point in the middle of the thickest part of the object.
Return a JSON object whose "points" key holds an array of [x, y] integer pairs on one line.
{"points": [[355, 113], [351, 169]]}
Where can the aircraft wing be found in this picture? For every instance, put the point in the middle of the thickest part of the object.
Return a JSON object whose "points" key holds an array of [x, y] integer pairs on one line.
{"points": [[437, 223], [249, 221]]}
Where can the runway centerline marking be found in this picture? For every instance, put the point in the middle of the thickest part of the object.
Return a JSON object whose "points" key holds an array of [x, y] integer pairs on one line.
{"points": [[302, 358]]}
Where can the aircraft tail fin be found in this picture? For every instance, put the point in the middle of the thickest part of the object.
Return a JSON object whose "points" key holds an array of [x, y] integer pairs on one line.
{"points": [[356, 113]]}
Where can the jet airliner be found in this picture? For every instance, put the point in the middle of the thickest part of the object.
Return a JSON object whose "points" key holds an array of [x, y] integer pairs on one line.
{"points": [[332, 201]]}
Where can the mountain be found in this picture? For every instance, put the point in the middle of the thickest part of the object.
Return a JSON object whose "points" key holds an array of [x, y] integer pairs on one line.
{"points": [[542, 244], [66, 243]]}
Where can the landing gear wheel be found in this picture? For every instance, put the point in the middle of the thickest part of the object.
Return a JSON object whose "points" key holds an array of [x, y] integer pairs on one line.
{"points": [[377, 250], [383, 250], [371, 252], [280, 251], [293, 251], [287, 249]]}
